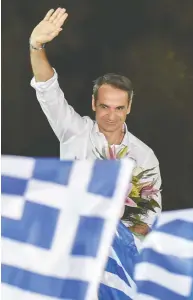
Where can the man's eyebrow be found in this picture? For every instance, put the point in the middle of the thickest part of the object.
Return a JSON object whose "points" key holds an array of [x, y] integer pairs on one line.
{"points": [[120, 106], [103, 104], [109, 106]]}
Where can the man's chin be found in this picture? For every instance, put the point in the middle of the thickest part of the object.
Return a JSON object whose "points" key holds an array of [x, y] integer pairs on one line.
{"points": [[110, 127]]}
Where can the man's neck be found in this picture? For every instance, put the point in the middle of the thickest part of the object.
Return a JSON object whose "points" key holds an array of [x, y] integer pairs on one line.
{"points": [[113, 138]]}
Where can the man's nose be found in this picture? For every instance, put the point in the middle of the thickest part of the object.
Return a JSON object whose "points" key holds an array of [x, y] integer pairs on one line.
{"points": [[111, 115]]}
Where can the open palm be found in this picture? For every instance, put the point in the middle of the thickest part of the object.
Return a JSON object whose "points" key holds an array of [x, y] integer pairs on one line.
{"points": [[50, 26]]}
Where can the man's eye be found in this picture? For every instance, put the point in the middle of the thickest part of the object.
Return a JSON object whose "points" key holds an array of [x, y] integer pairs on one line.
{"points": [[120, 108], [103, 106]]}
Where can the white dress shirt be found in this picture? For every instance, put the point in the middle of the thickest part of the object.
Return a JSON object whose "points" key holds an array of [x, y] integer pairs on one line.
{"points": [[79, 137]]}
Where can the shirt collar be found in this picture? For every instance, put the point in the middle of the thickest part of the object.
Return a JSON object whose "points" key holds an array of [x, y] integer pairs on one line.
{"points": [[126, 136]]}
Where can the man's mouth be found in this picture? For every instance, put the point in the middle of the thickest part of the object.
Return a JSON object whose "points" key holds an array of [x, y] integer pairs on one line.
{"points": [[111, 122]]}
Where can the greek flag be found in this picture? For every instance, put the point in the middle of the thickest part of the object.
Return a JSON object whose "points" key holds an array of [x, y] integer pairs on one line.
{"points": [[165, 268], [117, 282], [58, 223]]}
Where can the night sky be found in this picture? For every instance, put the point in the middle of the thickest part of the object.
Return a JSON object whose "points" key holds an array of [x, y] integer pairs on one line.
{"points": [[151, 42]]}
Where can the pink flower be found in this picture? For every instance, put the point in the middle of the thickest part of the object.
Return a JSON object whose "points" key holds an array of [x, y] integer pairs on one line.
{"points": [[112, 154], [148, 191], [130, 202]]}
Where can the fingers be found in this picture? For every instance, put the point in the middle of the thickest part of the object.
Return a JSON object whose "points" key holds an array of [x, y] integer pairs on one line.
{"points": [[61, 20], [60, 14], [48, 15], [61, 11], [55, 15]]}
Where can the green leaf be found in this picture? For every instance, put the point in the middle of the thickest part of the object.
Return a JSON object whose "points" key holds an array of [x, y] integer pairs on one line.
{"points": [[154, 203], [143, 201], [150, 175], [135, 179], [141, 174], [138, 218], [122, 152], [137, 199], [136, 221], [146, 207], [151, 208]]}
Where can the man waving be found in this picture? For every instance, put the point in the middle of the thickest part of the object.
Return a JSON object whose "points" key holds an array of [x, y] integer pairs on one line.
{"points": [[82, 137]]}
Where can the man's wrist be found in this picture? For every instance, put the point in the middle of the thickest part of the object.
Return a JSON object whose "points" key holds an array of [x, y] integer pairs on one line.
{"points": [[36, 45]]}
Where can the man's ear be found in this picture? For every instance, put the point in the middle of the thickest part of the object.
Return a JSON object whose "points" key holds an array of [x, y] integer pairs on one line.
{"points": [[129, 107], [93, 103]]}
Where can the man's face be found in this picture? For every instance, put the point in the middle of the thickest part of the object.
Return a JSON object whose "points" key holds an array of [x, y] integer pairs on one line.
{"points": [[111, 107]]}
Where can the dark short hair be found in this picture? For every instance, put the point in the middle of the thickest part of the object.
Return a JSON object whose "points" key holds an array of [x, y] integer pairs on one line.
{"points": [[115, 80]]}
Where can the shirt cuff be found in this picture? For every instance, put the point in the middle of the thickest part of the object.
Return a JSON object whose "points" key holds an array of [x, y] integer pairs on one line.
{"points": [[42, 86]]}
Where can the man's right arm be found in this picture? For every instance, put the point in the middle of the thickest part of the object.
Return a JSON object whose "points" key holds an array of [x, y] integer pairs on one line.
{"points": [[63, 119], [43, 33]]}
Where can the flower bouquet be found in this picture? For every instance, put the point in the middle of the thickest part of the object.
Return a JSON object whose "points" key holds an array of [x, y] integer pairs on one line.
{"points": [[141, 195]]}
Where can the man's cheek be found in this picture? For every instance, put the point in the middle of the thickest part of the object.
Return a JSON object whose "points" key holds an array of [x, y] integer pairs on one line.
{"points": [[122, 118]]}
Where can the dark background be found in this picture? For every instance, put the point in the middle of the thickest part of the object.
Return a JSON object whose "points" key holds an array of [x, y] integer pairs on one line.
{"points": [[151, 42]]}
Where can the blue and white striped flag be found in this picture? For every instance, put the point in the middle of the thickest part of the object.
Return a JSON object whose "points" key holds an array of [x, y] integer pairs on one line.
{"points": [[58, 223], [165, 268], [118, 282]]}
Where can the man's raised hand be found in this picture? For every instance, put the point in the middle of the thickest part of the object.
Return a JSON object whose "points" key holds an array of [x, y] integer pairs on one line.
{"points": [[49, 27]]}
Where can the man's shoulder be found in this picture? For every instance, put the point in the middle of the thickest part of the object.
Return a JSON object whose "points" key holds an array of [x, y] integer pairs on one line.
{"points": [[139, 147], [88, 122], [142, 153], [138, 143]]}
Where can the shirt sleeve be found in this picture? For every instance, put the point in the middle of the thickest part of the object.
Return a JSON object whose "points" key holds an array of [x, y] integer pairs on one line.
{"points": [[63, 119], [152, 162]]}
